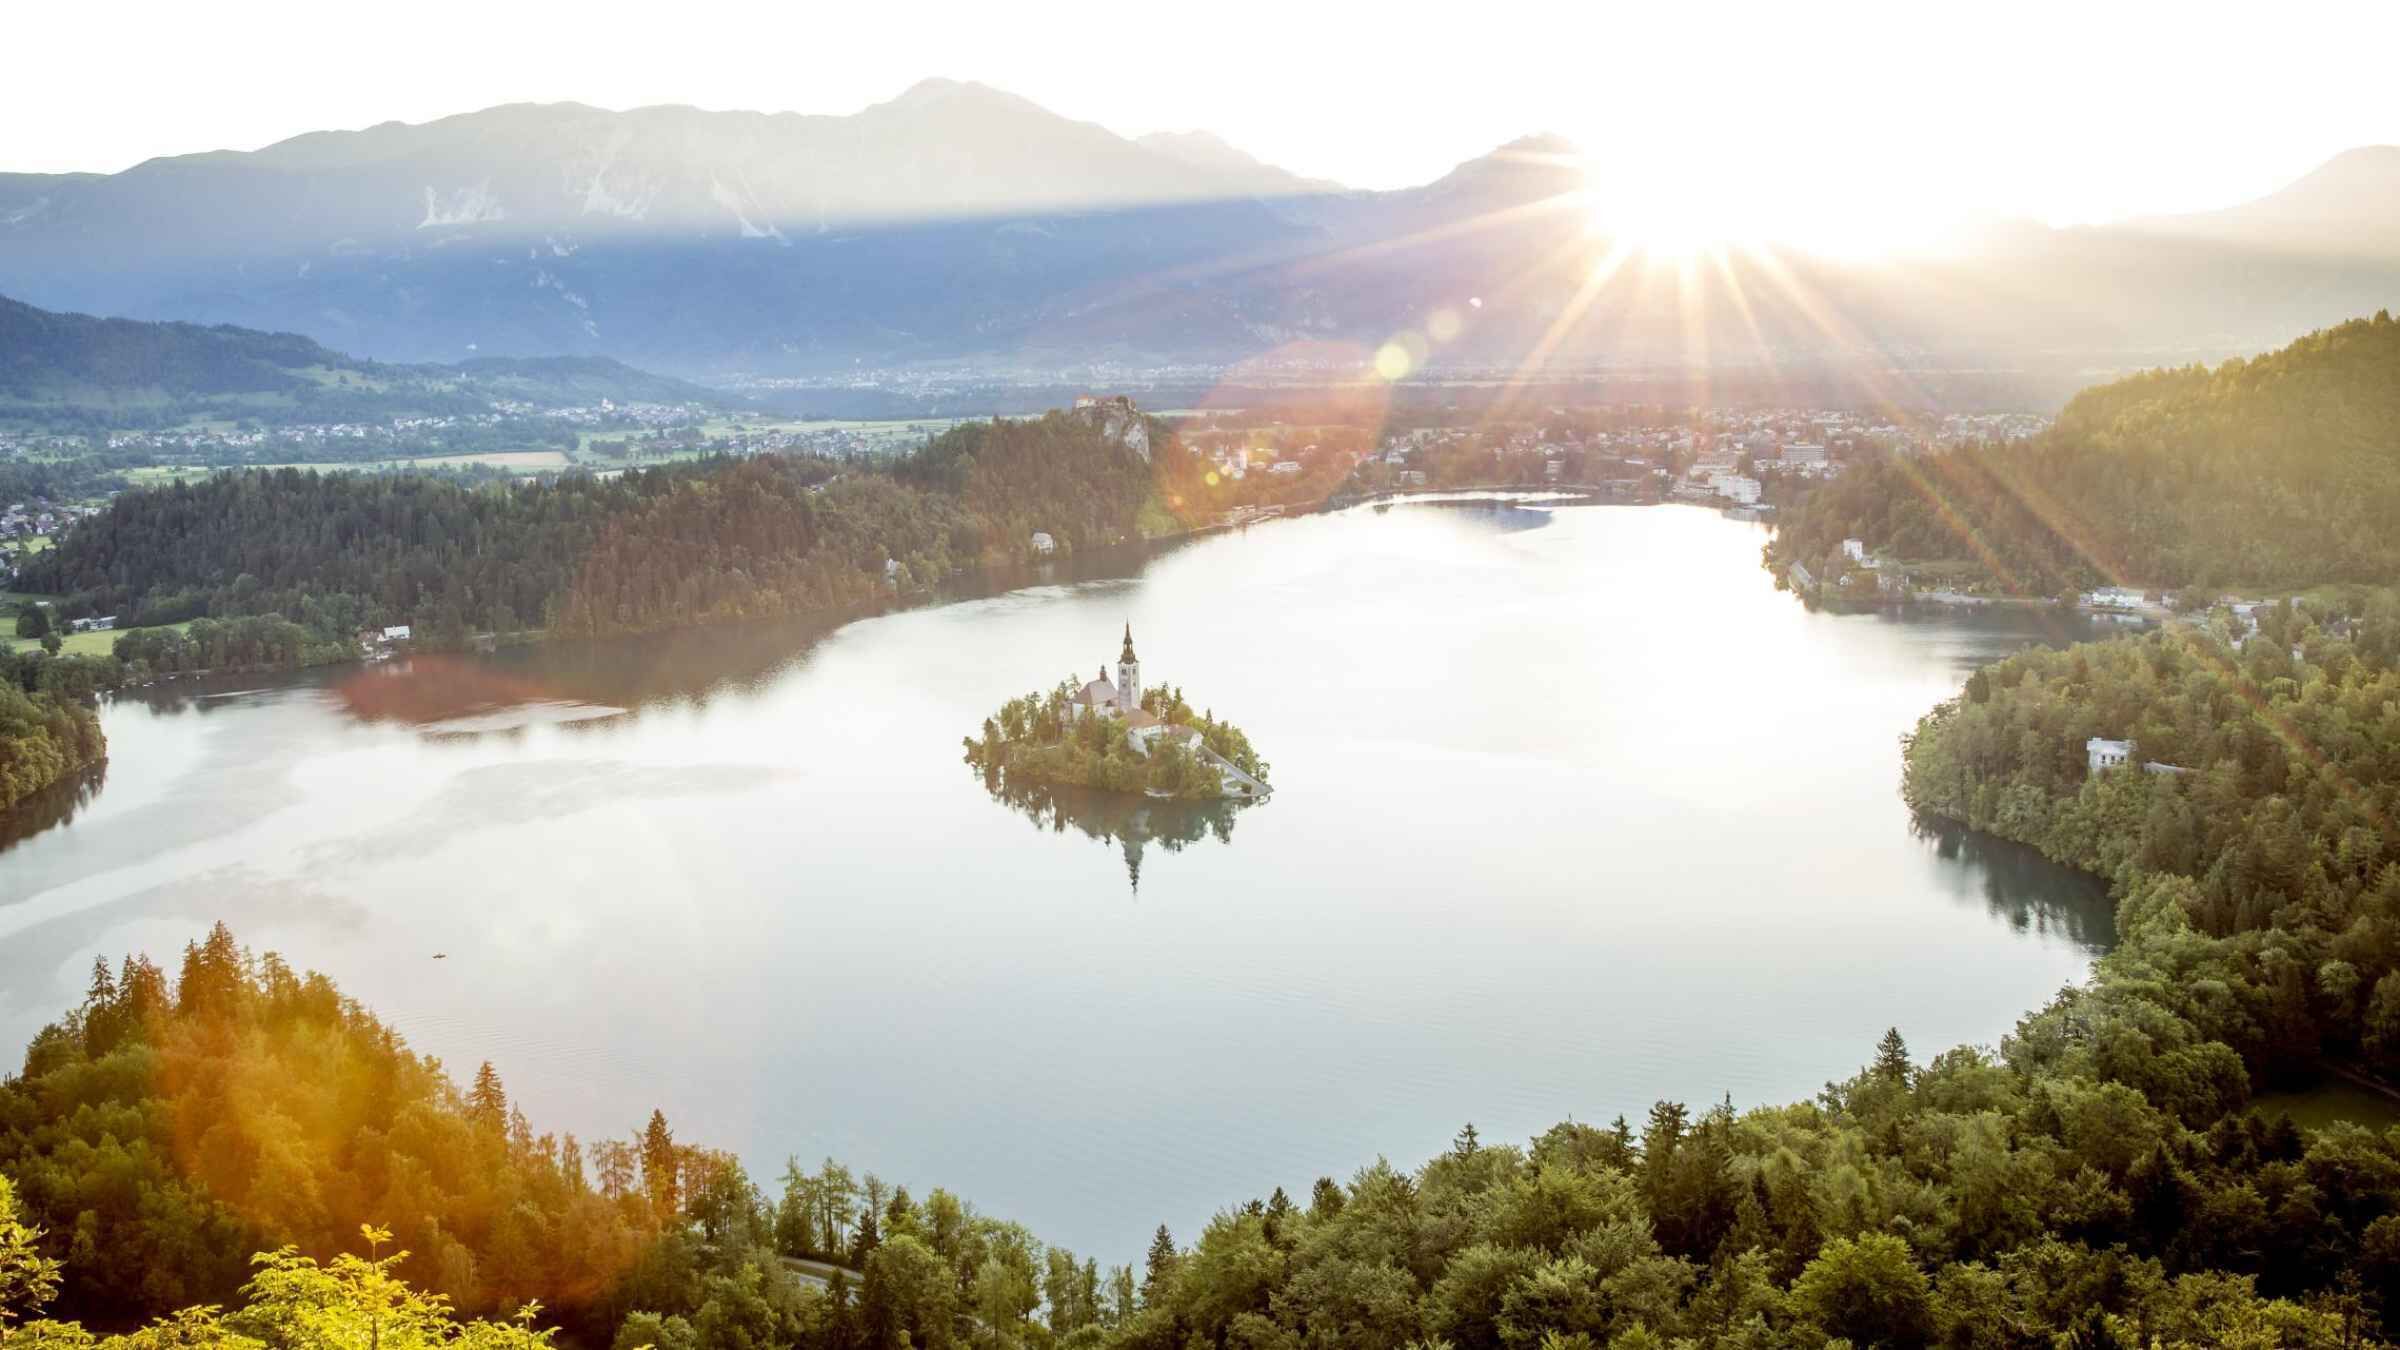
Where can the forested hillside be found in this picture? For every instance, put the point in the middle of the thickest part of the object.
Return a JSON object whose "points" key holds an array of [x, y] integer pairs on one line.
{"points": [[2272, 834], [583, 555], [75, 369], [2280, 471], [773, 536]]}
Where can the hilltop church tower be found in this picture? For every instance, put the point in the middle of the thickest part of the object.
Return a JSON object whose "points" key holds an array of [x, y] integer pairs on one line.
{"points": [[1129, 674]]}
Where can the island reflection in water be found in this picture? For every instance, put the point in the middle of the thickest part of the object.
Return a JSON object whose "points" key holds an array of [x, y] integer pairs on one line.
{"points": [[1130, 821]]}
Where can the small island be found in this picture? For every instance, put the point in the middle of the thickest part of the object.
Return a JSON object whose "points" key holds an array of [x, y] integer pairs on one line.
{"points": [[1118, 737]]}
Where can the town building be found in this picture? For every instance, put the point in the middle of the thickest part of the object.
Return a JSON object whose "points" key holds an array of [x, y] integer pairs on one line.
{"points": [[2115, 597], [1738, 487], [2101, 754]]}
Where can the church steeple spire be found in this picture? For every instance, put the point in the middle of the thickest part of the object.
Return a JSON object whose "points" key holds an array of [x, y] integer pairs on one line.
{"points": [[1129, 674]]}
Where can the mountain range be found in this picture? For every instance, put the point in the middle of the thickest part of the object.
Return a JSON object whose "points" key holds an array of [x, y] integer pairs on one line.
{"points": [[958, 226]]}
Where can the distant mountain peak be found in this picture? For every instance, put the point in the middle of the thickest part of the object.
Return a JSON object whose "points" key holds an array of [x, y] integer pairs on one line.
{"points": [[1535, 166], [935, 91], [1541, 143], [2344, 205]]}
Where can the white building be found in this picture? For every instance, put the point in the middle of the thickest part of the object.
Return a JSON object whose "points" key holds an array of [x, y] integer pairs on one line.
{"points": [[2115, 597], [2100, 755], [1804, 454], [396, 633], [1043, 543], [1736, 487], [1855, 550]]}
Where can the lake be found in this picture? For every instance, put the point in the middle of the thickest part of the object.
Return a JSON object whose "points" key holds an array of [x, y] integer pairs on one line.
{"points": [[1573, 811]]}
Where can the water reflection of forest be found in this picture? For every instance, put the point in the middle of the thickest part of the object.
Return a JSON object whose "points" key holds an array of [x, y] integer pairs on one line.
{"points": [[53, 805], [451, 699], [1132, 823], [2023, 889]]}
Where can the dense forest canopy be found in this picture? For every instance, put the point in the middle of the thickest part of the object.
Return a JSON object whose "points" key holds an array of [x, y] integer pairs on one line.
{"points": [[2097, 1180], [585, 554], [46, 733], [2279, 471], [2267, 823]]}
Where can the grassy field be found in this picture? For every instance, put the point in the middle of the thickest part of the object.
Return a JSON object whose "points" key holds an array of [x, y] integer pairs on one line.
{"points": [[2328, 1102], [71, 644], [77, 644]]}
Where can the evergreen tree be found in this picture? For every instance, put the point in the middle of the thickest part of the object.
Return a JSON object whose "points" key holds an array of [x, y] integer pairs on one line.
{"points": [[1278, 1215], [866, 1238], [1158, 1266], [1324, 1199], [1891, 1058], [487, 1101], [659, 1166], [1463, 1147]]}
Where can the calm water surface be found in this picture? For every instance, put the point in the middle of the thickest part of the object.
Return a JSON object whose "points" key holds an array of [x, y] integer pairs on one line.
{"points": [[1573, 811]]}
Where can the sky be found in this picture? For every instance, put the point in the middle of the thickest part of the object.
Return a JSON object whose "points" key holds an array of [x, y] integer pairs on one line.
{"points": [[2067, 113]]}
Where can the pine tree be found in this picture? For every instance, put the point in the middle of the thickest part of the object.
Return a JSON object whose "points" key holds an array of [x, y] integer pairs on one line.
{"points": [[841, 1321], [487, 1101], [1891, 1058], [1160, 1264], [1279, 1215], [103, 988], [878, 1321], [1324, 1199], [1463, 1147], [659, 1163], [866, 1239]]}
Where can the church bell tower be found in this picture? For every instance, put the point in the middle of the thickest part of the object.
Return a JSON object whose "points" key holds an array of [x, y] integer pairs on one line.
{"points": [[1129, 674]]}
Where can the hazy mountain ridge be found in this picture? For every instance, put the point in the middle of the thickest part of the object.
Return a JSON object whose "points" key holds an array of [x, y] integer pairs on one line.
{"points": [[959, 224], [55, 362]]}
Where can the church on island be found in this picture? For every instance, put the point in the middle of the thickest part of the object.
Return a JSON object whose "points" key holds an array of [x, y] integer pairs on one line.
{"points": [[1122, 700]]}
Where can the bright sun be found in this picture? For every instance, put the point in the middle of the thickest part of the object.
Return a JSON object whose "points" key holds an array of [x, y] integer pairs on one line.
{"points": [[1678, 209], [1664, 230]]}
